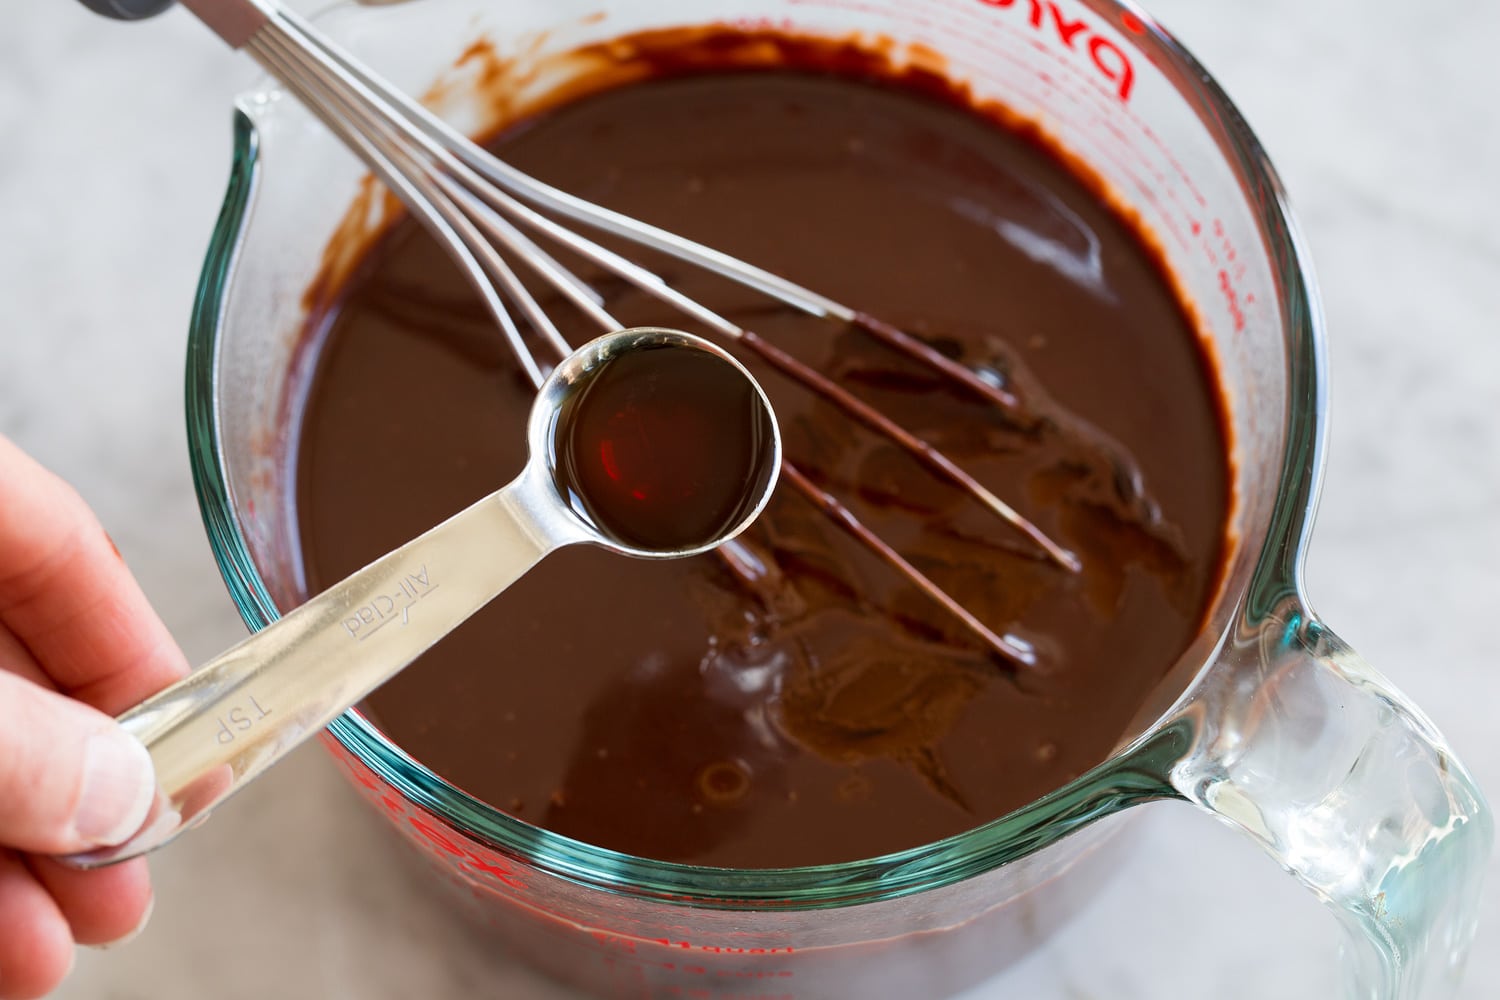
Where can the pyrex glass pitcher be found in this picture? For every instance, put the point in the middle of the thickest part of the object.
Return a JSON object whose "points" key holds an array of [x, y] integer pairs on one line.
{"points": [[1268, 720]]}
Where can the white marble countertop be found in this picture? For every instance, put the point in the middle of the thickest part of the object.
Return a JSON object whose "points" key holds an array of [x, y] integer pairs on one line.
{"points": [[1384, 119]]}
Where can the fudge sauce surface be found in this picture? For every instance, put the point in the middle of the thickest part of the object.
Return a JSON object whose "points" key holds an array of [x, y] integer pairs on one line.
{"points": [[795, 701]]}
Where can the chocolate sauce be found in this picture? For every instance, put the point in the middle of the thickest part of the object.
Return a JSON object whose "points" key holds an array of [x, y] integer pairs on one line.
{"points": [[795, 701], [663, 447]]}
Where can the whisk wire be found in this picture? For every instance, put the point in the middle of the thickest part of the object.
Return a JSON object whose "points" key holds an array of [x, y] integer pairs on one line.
{"points": [[554, 199], [347, 117], [472, 203]]}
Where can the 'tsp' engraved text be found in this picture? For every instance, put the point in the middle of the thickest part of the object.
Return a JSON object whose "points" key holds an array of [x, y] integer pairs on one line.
{"points": [[367, 619], [239, 719]]}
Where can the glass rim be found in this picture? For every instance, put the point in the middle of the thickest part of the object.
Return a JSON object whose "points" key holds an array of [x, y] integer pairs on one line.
{"points": [[1136, 772]]}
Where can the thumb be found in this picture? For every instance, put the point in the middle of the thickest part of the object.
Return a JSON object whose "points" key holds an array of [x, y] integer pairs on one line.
{"points": [[70, 778]]}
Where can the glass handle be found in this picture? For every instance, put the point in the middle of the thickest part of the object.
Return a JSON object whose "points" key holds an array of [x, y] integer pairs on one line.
{"points": [[1303, 746]]}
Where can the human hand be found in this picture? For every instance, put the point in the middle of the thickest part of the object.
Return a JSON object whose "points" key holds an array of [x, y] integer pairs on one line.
{"points": [[78, 644]]}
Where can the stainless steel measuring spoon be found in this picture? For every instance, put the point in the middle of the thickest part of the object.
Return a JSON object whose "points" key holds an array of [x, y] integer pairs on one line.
{"points": [[224, 724]]}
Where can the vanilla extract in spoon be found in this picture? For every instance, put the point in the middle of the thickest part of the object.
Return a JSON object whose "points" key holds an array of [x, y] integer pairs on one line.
{"points": [[664, 447]]}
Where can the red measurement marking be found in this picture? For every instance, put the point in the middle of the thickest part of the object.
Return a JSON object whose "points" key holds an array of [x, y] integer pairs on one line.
{"points": [[614, 940], [1132, 23], [1108, 58], [753, 24], [1231, 299], [434, 836], [721, 949], [502, 873]]}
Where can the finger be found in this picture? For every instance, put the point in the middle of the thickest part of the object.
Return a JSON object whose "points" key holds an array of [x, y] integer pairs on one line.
{"points": [[70, 778], [17, 659], [100, 906], [36, 950], [68, 596]]}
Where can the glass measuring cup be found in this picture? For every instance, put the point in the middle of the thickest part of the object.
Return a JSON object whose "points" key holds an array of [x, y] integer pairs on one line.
{"points": [[1267, 720]]}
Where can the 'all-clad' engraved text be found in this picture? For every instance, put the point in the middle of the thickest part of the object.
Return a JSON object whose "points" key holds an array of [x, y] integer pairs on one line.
{"points": [[367, 619]]}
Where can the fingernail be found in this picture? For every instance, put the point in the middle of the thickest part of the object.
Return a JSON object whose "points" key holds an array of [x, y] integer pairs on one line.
{"points": [[119, 785], [145, 919], [127, 938]]}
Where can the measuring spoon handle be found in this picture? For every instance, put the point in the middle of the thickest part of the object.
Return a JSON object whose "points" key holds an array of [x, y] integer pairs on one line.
{"points": [[221, 726], [128, 10]]}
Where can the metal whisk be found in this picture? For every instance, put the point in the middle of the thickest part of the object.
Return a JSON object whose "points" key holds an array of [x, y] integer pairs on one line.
{"points": [[486, 213]]}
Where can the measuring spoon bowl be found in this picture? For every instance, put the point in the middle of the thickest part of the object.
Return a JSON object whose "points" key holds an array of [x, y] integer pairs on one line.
{"points": [[219, 728]]}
